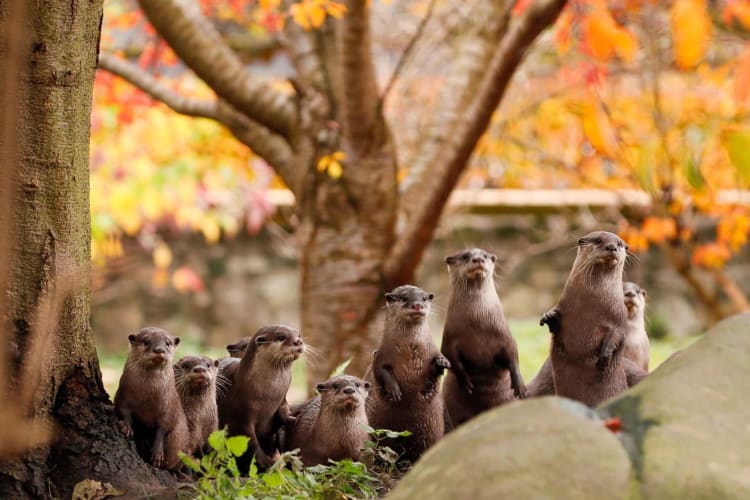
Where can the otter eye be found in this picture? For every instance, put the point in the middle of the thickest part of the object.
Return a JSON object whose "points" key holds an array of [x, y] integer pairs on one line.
{"points": [[281, 338], [598, 241], [358, 384], [465, 256], [335, 387]]}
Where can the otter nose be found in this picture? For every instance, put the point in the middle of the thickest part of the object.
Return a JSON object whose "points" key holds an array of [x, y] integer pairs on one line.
{"points": [[417, 306], [298, 341], [611, 247], [199, 369], [630, 294], [159, 350], [477, 260], [349, 390]]}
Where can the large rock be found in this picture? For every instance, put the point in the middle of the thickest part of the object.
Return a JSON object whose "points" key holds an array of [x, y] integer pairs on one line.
{"points": [[687, 425], [685, 434], [541, 448]]}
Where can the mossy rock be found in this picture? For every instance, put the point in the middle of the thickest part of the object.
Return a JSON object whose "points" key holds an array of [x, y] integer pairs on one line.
{"points": [[687, 425], [542, 448]]}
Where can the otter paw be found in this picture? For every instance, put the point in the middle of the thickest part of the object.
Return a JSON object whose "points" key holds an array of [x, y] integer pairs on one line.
{"points": [[521, 393], [393, 393], [157, 459], [552, 319], [264, 461], [126, 429], [440, 363], [290, 419]]}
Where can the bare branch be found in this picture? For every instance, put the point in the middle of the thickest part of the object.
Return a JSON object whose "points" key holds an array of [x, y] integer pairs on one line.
{"points": [[137, 77], [201, 48], [407, 52], [359, 99], [454, 155]]}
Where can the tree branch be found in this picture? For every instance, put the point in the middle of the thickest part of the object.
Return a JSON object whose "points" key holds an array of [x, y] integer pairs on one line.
{"points": [[454, 155], [201, 48], [136, 76], [359, 99]]}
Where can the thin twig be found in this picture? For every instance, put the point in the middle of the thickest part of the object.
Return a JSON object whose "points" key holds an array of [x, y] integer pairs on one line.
{"points": [[407, 52]]}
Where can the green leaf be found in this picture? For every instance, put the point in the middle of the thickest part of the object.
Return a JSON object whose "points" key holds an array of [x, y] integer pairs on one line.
{"points": [[237, 445], [217, 439], [189, 461], [272, 479], [737, 144], [339, 370], [693, 174]]}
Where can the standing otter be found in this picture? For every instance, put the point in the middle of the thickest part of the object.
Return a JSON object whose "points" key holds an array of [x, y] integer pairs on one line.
{"points": [[331, 426], [256, 401], [590, 322], [477, 340], [147, 400], [635, 352], [195, 380], [636, 340], [406, 370]]}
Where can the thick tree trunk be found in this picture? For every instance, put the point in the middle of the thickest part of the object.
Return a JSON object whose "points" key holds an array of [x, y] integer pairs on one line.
{"points": [[48, 273]]}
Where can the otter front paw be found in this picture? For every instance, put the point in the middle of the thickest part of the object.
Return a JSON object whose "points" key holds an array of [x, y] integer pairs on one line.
{"points": [[157, 458], [440, 363], [392, 392], [289, 419], [264, 461], [521, 392], [552, 319], [126, 429]]}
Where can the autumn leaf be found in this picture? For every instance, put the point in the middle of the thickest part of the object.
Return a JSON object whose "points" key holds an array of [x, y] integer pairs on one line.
{"points": [[741, 88], [711, 255], [659, 229], [737, 11], [597, 128], [185, 279], [162, 255], [691, 31], [604, 37], [331, 164], [737, 144]]}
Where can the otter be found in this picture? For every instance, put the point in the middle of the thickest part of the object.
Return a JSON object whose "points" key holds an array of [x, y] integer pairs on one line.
{"points": [[333, 425], [589, 323], [147, 400], [635, 352], [235, 350], [636, 340], [195, 380], [477, 341], [255, 405], [405, 372]]}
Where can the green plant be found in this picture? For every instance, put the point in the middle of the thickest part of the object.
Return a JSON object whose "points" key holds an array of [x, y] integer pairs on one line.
{"points": [[288, 478]]}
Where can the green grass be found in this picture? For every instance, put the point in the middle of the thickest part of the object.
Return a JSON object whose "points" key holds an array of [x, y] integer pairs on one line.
{"points": [[532, 339]]}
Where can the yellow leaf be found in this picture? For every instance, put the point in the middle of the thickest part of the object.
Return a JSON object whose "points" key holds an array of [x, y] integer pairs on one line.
{"points": [[626, 45], [316, 14], [742, 76], [336, 9], [335, 170], [211, 230], [339, 156], [299, 14], [691, 32], [162, 255], [598, 130], [323, 163]]}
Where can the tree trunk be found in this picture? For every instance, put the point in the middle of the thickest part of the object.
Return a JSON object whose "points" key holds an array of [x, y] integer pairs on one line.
{"points": [[47, 303]]}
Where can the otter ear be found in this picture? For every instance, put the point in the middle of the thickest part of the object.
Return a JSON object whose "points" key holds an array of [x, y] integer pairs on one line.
{"points": [[321, 387], [131, 338], [430, 296], [367, 386], [391, 297], [582, 241], [216, 363], [643, 292], [493, 257], [261, 339], [451, 259], [177, 341]]}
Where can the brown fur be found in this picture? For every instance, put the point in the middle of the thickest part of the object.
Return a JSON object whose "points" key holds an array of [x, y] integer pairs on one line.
{"points": [[331, 426], [236, 349], [405, 373], [255, 404], [635, 351], [195, 380], [636, 340], [147, 400], [477, 341], [587, 351]]}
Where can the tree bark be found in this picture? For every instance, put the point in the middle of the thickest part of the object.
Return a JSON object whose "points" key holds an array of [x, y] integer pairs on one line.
{"points": [[47, 286]]}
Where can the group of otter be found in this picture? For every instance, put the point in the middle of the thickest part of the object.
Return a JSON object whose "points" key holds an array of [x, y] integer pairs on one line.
{"points": [[599, 348]]}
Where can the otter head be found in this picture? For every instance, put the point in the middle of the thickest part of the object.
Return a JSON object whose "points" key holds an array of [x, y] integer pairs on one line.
{"points": [[603, 248], [408, 304], [343, 393], [635, 299], [152, 347], [472, 265], [279, 343], [195, 373], [238, 348]]}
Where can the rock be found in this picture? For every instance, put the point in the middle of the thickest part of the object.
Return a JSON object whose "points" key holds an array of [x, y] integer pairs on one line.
{"points": [[542, 448], [687, 425]]}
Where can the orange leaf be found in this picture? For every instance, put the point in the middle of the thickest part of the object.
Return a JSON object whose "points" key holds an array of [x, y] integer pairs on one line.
{"points": [[691, 31], [711, 255], [741, 90], [598, 129]]}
